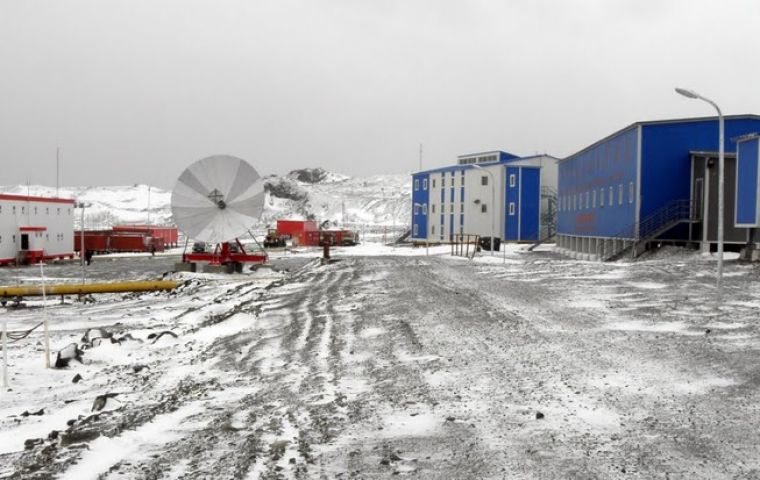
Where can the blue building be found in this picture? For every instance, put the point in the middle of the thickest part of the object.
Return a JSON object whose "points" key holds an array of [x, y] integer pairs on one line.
{"points": [[515, 197], [651, 181]]}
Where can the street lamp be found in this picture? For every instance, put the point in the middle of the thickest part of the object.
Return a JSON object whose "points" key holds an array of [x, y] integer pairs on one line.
{"points": [[81, 205], [493, 205], [427, 216], [721, 160]]}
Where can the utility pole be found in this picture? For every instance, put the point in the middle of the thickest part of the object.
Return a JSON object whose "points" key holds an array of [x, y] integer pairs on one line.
{"points": [[57, 171]]}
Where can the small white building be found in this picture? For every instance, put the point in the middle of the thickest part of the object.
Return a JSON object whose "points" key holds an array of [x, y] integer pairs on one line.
{"points": [[33, 229]]}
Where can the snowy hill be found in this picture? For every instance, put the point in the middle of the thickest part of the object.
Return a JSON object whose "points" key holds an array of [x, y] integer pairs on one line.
{"points": [[362, 202]]}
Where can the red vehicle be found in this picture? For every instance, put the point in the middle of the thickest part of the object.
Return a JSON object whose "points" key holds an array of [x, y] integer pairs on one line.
{"points": [[169, 235], [109, 241], [296, 230]]}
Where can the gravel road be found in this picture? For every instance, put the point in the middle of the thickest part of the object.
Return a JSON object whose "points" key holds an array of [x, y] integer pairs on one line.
{"points": [[432, 367]]}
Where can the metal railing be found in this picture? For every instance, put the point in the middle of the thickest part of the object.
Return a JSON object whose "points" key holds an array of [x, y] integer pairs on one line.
{"points": [[652, 226], [464, 245]]}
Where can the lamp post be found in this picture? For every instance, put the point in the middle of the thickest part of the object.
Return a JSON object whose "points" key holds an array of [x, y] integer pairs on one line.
{"points": [[427, 216], [493, 205], [81, 205], [721, 161]]}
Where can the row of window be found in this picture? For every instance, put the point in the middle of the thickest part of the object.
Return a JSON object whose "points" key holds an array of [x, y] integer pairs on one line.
{"points": [[484, 159], [443, 182], [422, 208], [587, 200], [416, 232], [59, 237], [23, 210]]}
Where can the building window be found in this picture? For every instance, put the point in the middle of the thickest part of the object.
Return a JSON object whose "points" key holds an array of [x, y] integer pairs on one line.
{"points": [[462, 182], [593, 199], [511, 208], [612, 198], [23, 209], [415, 229], [620, 194], [416, 209], [601, 197], [424, 208], [434, 183], [432, 229], [484, 208], [424, 183], [630, 192], [452, 178], [35, 210], [484, 180], [416, 184], [512, 179], [68, 211], [461, 208], [587, 199], [47, 210], [59, 210], [14, 239], [432, 207], [575, 202]]}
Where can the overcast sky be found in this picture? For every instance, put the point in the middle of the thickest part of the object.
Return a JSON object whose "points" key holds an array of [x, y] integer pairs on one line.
{"points": [[134, 91]]}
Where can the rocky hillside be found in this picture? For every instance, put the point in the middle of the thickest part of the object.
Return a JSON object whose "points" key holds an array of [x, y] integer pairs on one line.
{"points": [[359, 202]]}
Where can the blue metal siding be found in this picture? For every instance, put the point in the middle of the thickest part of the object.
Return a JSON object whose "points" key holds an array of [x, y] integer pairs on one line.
{"points": [[530, 203], [504, 156], [748, 157], [420, 197], [610, 163], [666, 163], [512, 195]]}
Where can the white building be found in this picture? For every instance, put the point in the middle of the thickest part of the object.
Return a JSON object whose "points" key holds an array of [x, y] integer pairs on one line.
{"points": [[35, 228], [458, 199]]}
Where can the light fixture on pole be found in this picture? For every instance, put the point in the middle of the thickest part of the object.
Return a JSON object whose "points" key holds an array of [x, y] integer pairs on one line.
{"points": [[721, 161], [493, 206]]}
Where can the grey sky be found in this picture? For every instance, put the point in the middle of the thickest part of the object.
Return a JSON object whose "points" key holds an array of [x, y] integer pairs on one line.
{"points": [[134, 91]]}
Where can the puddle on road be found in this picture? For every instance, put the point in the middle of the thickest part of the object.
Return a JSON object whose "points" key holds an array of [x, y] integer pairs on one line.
{"points": [[647, 326], [403, 424]]}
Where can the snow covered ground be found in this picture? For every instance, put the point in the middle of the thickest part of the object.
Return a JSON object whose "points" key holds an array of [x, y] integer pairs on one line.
{"points": [[390, 362]]}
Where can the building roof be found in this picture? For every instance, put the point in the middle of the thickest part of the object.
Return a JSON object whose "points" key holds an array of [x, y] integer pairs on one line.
{"points": [[457, 167], [659, 122], [488, 152], [27, 198]]}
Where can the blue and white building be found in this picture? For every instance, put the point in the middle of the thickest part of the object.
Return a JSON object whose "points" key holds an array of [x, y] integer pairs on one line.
{"points": [[514, 196], [650, 182]]}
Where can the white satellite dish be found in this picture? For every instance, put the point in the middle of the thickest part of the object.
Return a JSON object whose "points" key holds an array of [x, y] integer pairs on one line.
{"points": [[217, 199]]}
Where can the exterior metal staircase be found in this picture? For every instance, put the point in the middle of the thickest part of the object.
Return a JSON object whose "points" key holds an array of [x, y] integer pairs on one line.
{"points": [[403, 237], [548, 216], [651, 227]]}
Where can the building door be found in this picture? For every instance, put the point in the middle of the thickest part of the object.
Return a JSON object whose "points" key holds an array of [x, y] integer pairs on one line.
{"points": [[699, 199], [24, 241]]}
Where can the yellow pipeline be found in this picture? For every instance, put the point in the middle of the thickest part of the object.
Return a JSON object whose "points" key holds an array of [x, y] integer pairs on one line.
{"points": [[79, 289]]}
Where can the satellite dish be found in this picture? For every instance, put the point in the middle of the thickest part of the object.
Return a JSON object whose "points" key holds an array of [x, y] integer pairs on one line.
{"points": [[217, 199]]}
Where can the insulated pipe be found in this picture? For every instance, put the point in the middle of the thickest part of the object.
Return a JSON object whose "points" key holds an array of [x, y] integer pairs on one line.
{"points": [[77, 289]]}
